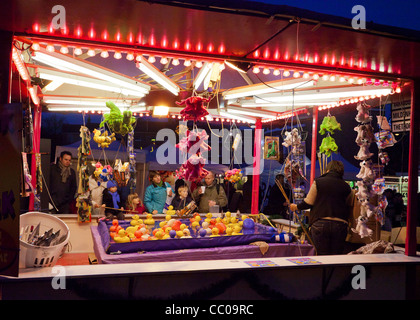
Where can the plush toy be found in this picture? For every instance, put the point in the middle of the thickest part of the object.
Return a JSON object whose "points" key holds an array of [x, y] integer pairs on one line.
{"points": [[364, 134], [328, 146], [379, 186], [364, 191], [330, 124], [194, 142], [367, 209], [383, 123], [363, 153], [362, 113], [117, 121], [385, 139], [361, 228], [292, 138], [194, 108], [192, 169], [103, 139], [366, 173], [384, 157]]}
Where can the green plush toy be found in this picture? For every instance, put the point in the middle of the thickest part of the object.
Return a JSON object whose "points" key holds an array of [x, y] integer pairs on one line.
{"points": [[330, 124], [118, 122], [328, 146]]}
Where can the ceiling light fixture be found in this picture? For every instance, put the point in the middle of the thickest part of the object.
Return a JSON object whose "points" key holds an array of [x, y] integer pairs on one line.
{"points": [[239, 66], [158, 76]]}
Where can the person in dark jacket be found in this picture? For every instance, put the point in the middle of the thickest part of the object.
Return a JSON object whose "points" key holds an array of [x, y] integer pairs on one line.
{"points": [[182, 199], [277, 203], [63, 184], [329, 199], [111, 199]]}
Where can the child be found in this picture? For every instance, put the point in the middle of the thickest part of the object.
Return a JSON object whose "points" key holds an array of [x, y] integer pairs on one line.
{"points": [[182, 199], [135, 204], [111, 199], [96, 188]]}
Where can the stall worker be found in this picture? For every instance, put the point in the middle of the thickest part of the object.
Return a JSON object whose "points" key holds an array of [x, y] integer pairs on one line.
{"points": [[63, 184], [329, 199]]}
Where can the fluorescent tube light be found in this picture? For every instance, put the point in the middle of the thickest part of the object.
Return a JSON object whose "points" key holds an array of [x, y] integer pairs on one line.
{"points": [[158, 76], [66, 63], [88, 82], [269, 87], [204, 71], [252, 113], [160, 111], [237, 117]]}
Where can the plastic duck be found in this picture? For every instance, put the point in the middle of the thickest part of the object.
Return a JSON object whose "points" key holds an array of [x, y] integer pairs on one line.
{"points": [[115, 226], [237, 230], [215, 232], [149, 220], [208, 217], [170, 211], [121, 237], [131, 229], [229, 231]]}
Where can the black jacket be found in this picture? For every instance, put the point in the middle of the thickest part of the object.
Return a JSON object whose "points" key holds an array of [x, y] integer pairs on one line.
{"points": [[62, 193], [331, 198], [109, 203], [179, 204]]}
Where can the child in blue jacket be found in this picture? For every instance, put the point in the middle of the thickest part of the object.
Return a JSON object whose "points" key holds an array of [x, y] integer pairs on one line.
{"points": [[156, 194]]}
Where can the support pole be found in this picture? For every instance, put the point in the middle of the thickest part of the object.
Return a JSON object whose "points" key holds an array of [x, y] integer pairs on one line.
{"points": [[256, 168], [314, 140], [413, 171], [35, 149]]}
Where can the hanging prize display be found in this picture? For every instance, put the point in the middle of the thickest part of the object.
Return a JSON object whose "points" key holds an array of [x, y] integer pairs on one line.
{"points": [[118, 122]]}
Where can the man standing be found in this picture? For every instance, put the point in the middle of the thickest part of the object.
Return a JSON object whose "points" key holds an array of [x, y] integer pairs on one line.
{"points": [[213, 194], [329, 199], [63, 183]]}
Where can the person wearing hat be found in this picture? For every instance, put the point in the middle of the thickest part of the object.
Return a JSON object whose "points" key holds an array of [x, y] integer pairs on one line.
{"points": [[111, 199]]}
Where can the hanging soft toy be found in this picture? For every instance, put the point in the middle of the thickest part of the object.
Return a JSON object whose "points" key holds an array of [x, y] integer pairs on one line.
{"points": [[363, 153], [361, 227], [328, 146], [194, 108], [385, 139], [103, 139], [117, 121], [365, 134], [192, 169], [366, 173], [383, 123], [363, 113], [330, 124], [194, 142], [292, 138]]}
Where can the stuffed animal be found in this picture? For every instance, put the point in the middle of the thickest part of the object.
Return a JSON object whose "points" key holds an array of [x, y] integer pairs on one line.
{"points": [[367, 209], [364, 191], [103, 139], [292, 138], [328, 146], [194, 142], [330, 124], [385, 139], [383, 123], [364, 134], [366, 173], [363, 153], [118, 122], [362, 113], [384, 157], [194, 108], [361, 228]]}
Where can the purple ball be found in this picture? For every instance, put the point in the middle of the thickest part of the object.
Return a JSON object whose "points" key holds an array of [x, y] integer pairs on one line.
{"points": [[172, 233], [249, 223], [202, 232]]}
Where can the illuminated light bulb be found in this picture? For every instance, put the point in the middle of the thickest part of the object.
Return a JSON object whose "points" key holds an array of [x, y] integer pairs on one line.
{"points": [[385, 84], [91, 53], [296, 74], [286, 73], [138, 57], [377, 82], [325, 77], [130, 56], [199, 64], [187, 63], [369, 81], [163, 60], [276, 72], [50, 48], [175, 62], [342, 79], [35, 46], [305, 75], [117, 55], [256, 70], [351, 80], [359, 81], [315, 76], [64, 50], [78, 51], [104, 54], [332, 78], [398, 90], [152, 59], [266, 71]]}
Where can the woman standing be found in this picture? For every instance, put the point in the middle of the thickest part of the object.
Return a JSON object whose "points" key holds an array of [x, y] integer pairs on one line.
{"points": [[156, 194]]}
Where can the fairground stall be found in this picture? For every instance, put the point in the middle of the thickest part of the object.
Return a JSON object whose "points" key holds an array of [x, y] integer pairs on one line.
{"points": [[218, 74]]}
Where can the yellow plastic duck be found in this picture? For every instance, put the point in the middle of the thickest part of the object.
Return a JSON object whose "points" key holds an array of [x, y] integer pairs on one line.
{"points": [[208, 217], [103, 139], [215, 232], [149, 219], [237, 230], [121, 237], [229, 231], [170, 211]]}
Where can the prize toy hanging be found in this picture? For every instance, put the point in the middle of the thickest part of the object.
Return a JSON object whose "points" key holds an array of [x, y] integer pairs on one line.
{"points": [[118, 122], [328, 145]]}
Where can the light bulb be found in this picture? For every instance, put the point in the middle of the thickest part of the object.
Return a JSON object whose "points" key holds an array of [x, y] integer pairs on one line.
{"points": [[91, 53], [104, 54], [117, 55], [64, 50], [78, 51]]}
